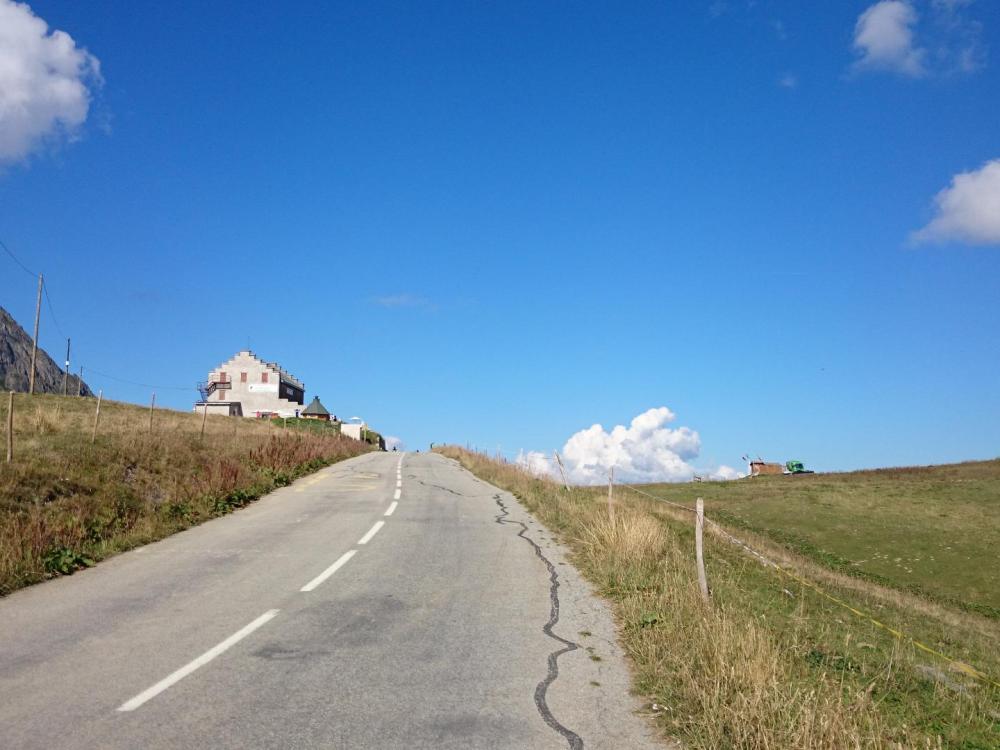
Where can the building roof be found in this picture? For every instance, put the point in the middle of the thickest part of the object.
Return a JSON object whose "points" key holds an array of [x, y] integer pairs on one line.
{"points": [[315, 408], [287, 376], [282, 373]]}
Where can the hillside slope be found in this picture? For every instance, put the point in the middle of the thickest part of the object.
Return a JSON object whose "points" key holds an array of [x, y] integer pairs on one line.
{"points": [[73, 496], [15, 363], [930, 530]]}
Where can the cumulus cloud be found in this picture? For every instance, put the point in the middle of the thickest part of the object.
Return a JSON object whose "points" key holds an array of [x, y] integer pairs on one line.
{"points": [[968, 210], [884, 39], [45, 83], [645, 451]]}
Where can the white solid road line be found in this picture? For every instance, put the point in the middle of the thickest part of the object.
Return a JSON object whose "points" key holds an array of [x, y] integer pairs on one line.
{"points": [[205, 658], [328, 572], [397, 494], [391, 508], [371, 532]]}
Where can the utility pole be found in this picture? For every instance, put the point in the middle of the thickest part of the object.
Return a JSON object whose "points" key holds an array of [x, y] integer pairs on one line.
{"points": [[34, 341], [79, 383], [66, 372]]}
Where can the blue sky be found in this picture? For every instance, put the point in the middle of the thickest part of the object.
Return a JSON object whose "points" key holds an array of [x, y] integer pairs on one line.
{"points": [[499, 224]]}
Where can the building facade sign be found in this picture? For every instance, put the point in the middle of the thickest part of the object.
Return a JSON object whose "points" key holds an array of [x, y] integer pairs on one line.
{"points": [[263, 387]]}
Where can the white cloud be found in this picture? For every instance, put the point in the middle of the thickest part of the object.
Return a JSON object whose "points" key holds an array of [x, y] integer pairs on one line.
{"points": [[402, 300], [788, 81], [968, 210], [645, 451], [890, 35], [883, 37], [958, 48], [45, 82], [391, 441]]}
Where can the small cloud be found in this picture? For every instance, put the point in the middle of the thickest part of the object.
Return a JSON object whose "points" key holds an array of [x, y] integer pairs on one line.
{"points": [[391, 441], [779, 29], [144, 295], [968, 210], [718, 8], [884, 39], [958, 47], [891, 36], [788, 81], [645, 451], [401, 300], [46, 82]]}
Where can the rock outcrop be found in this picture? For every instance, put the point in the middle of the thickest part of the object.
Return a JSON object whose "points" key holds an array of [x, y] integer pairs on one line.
{"points": [[15, 363]]}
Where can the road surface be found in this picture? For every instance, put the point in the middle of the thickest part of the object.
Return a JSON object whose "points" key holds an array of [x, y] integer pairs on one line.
{"points": [[389, 601]]}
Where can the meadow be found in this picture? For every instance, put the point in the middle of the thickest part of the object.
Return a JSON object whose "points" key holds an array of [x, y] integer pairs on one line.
{"points": [[929, 530], [771, 661], [70, 497]]}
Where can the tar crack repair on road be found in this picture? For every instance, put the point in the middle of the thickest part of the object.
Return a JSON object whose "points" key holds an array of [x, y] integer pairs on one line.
{"points": [[574, 740]]}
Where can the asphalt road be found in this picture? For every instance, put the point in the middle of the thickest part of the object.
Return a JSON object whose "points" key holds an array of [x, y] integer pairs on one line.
{"points": [[366, 606]]}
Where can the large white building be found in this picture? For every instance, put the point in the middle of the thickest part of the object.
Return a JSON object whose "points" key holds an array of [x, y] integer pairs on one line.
{"points": [[248, 386]]}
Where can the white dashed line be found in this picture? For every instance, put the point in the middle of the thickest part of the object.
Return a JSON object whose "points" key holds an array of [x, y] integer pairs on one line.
{"points": [[371, 532], [205, 658], [328, 572], [399, 482], [395, 496], [392, 508]]}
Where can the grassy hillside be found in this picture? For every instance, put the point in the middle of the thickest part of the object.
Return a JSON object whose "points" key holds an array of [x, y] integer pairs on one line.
{"points": [[932, 530], [66, 502], [771, 663]]}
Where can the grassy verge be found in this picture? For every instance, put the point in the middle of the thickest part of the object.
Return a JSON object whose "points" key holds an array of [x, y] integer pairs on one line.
{"points": [[769, 664], [67, 502]]}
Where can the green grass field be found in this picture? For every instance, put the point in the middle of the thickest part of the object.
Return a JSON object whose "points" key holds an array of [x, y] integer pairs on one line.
{"points": [[930, 530]]}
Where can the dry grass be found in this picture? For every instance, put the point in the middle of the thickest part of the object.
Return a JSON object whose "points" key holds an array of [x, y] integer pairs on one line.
{"points": [[66, 502], [767, 664]]}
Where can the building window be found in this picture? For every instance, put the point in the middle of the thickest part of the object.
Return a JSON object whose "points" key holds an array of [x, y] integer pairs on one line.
{"points": [[223, 378], [222, 395], [243, 377], [263, 377]]}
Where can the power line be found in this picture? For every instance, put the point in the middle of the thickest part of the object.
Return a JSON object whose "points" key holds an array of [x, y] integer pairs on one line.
{"points": [[16, 260], [142, 385], [55, 321], [48, 300]]}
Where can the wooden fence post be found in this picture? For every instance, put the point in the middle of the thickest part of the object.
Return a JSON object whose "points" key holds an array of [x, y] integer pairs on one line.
{"points": [[204, 417], [561, 470], [10, 427], [97, 415], [611, 498], [34, 341], [152, 405], [699, 551]]}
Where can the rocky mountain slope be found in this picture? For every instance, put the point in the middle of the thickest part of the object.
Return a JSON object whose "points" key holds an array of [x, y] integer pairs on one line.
{"points": [[15, 363]]}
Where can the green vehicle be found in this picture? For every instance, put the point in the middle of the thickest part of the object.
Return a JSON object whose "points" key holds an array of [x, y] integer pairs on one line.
{"points": [[796, 467]]}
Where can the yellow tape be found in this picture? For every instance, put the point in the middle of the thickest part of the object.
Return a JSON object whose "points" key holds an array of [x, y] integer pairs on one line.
{"points": [[961, 666]]}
